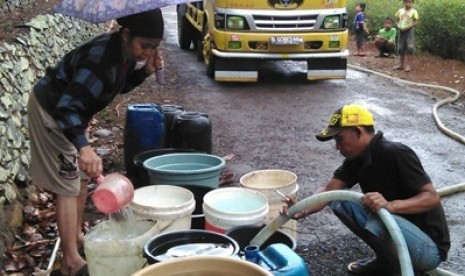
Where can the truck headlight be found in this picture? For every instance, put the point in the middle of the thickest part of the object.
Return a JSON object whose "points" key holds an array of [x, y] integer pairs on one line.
{"points": [[234, 22], [332, 22]]}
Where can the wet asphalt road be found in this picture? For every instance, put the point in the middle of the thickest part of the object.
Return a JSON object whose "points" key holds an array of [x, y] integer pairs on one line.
{"points": [[271, 125]]}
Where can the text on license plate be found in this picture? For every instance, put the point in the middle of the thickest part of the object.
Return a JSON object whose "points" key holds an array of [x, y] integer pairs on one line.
{"points": [[286, 40]]}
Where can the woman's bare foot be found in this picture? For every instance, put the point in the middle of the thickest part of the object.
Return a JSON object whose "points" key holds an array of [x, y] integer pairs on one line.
{"points": [[74, 268]]}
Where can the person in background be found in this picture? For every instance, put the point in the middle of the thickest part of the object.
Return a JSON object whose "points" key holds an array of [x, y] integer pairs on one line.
{"points": [[63, 102], [385, 41], [407, 19], [390, 176], [360, 29]]}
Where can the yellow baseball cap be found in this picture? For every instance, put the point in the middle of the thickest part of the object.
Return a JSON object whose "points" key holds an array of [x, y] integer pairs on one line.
{"points": [[347, 116]]}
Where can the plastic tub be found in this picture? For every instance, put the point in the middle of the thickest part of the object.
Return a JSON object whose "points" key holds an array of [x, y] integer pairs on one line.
{"points": [[141, 179], [185, 168], [226, 208], [156, 248], [170, 205], [267, 182], [204, 266], [116, 251]]}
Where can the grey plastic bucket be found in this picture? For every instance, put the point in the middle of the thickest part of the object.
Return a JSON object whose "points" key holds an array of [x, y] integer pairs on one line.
{"points": [[142, 177], [185, 169]]}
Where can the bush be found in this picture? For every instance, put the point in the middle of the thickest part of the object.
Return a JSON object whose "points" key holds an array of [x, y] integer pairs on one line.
{"points": [[441, 30]]}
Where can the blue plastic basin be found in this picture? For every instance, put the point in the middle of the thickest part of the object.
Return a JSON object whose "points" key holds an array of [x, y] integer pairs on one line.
{"points": [[185, 169]]}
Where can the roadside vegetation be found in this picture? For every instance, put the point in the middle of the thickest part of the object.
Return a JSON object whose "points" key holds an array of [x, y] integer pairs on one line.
{"points": [[440, 31]]}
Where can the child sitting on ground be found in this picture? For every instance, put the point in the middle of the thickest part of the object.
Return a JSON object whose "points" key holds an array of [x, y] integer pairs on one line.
{"points": [[385, 41]]}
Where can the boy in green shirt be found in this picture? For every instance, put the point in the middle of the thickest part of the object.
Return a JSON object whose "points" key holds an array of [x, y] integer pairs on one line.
{"points": [[386, 39], [407, 19]]}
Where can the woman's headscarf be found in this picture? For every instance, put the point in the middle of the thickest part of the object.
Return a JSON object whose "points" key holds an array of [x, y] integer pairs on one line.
{"points": [[144, 24]]}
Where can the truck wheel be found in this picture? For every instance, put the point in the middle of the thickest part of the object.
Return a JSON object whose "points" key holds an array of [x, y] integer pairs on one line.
{"points": [[206, 52], [185, 29]]}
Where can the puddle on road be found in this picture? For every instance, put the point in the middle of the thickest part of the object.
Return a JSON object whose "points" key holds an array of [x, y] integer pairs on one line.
{"points": [[354, 74]]}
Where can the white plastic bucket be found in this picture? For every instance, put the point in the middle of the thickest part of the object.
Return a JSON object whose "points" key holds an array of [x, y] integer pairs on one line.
{"points": [[267, 182], [226, 208], [171, 205], [203, 266], [117, 253]]}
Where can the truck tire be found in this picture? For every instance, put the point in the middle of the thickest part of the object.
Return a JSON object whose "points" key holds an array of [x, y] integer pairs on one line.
{"points": [[206, 52], [185, 29]]}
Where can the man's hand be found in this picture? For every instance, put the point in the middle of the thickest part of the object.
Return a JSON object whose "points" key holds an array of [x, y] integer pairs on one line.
{"points": [[375, 201], [290, 202], [89, 162]]}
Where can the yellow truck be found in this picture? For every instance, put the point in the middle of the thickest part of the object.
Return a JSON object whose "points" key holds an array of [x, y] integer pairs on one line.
{"points": [[232, 37]]}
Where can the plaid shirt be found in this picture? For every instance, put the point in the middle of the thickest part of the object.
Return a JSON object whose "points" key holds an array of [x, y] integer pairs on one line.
{"points": [[84, 82]]}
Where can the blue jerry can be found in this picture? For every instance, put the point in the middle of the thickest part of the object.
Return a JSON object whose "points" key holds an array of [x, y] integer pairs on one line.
{"points": [[144, 130], [281, 260]]}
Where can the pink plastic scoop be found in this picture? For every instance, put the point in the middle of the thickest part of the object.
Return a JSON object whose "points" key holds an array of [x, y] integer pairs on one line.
{"points": [[113, 193]]}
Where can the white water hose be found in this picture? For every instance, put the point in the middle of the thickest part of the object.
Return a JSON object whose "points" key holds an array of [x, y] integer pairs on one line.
{"points": [[456, 94], [322, 198]]}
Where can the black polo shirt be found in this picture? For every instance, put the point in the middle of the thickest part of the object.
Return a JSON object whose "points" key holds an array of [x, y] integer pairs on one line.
{"points": [[395, 171]]}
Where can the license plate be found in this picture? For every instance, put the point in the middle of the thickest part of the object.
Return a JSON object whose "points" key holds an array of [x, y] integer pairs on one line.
{"points": [[286, 40]]}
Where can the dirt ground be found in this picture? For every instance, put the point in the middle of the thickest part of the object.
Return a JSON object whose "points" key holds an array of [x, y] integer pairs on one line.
{"points": [[427, 69]]}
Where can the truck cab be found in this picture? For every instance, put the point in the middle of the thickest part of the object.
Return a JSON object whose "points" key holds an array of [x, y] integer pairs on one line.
{"points": [[232, 37]]}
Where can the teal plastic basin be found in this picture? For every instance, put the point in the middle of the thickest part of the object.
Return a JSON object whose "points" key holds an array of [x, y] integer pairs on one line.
{"points": [[185, 169]]}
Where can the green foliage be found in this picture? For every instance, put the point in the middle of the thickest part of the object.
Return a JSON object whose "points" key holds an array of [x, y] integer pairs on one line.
{"points": [[441, 29]]}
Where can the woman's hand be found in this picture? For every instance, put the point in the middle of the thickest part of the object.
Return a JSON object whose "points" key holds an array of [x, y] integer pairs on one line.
{"points": [[154, 62], [89, 162]]}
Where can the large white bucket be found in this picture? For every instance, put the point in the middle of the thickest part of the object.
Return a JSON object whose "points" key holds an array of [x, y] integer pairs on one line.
{"points": [[169, 204], [118, 253], [226, 208], [267, 182]]}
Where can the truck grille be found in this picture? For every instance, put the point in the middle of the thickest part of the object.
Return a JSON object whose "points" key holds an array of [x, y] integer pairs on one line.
{"points": [[280, 23]]}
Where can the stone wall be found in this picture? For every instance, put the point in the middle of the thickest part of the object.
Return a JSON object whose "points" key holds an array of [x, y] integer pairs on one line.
{"points": [[22, 63], [7, 6]]}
